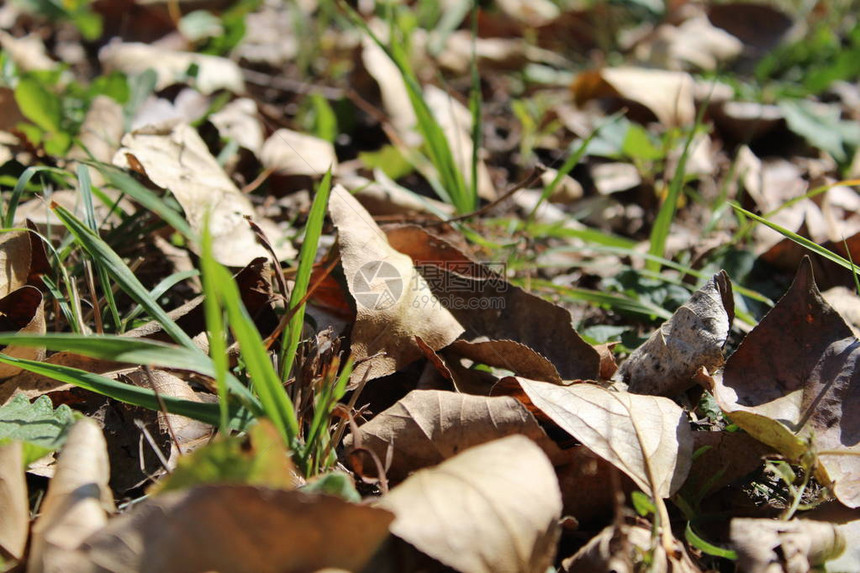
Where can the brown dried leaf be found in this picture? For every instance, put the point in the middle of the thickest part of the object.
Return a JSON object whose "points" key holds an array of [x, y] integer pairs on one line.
{"points": [[429, 426], [728, 457], [237, 529], [668, 95], [507, 354], [646, 437], [491, 509], [77, 500], [769, 546], [179, 160], [14, 506], [22, 311], [795, 379], [393, 301], [14, 260], [694, 337]]}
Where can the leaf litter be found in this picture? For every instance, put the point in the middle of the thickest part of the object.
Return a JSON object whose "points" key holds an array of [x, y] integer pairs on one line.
{"points": [[456, 400]]}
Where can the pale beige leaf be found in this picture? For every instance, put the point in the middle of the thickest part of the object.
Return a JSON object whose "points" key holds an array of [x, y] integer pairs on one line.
{"points": [[14, 501], [171, 66], [770, 546], [179, 160], [100, 133], [491, 509], [691, 339], [394, 304], [77, 501], [429, 426], [293, 153], [238, 528], [392, 89], [14, 260], [668, 95], [646, 437], [238, 121]]}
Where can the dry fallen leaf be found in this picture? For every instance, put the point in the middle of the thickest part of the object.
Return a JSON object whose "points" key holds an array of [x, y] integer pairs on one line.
{"points": [[393, 301], [22, 311], [237, 529], [14, 506], [646, 437], [77, 501], [491, 509], [769, 546], [518, 358], [293, 153], [171, 66], [179, 160], [668, 95], [794, 384], [429, 426], [694, 337]]}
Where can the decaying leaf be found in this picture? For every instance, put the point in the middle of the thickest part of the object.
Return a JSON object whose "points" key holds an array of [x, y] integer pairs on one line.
{"points": [[179, 160], [237, 528], [171, 66], [394, 304], [769, 546], [693, 338], [646, 437], [491, 509], [77, 501], [723, 457], [429, 426], [794, 384], [15, 525], [22, 311], [518, 358], [668, 95]]}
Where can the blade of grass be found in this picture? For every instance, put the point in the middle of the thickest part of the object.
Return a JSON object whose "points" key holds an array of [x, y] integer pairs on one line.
{"points": [[215, 324], [18, 190], [313, 230], [663, 223], [117, 269], [85, 187], [802, 241], [617, 302], [162, 287], [134, 351], [126, 393]]}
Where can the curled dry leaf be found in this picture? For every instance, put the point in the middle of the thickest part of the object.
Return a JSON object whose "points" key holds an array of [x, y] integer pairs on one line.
{"points": [[171, 66], [668, 95], [769, 546], [693, 338], [236, 529], [394, 304], [646, 437], [491, 509], [794, 384], [507, 354], [77, 500], [179, 160], [14, 506], [429, 426]]}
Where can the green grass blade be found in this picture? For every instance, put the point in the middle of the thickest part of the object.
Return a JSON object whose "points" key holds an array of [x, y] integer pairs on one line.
{"points": [[663, 223], [134, 351], [119, 271], [215, 324], [707, 547], [162, 287], [126, 393], [613, 301], [802, 241], [313, 230], [86, 190], [18, 190], [146, 198]]}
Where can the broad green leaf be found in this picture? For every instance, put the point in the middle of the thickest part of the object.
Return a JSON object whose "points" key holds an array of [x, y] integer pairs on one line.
{"points": [[40, 427], [38, 104]]}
